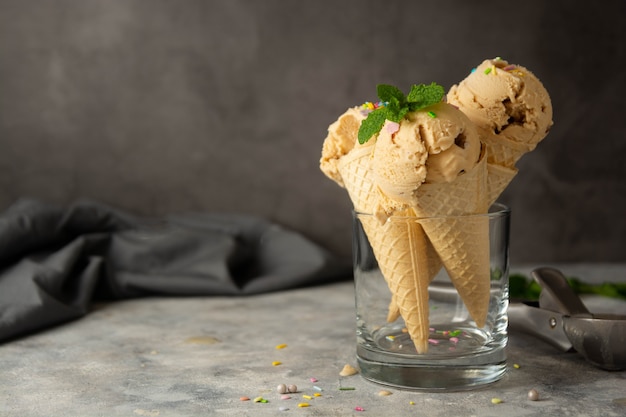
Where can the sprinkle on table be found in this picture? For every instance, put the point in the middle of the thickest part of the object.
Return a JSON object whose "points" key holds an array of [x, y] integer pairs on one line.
{"points": [[357, 408], [516, 366], [276, 363], [281, 346], [301, 405], [496, 400]]}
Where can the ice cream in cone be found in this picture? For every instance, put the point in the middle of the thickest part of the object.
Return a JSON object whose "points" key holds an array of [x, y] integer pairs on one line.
{"points": [[349, 164], [512, 111], [435, 163]]}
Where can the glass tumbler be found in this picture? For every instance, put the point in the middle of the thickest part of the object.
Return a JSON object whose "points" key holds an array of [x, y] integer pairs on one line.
{"points": [[431, 299]]}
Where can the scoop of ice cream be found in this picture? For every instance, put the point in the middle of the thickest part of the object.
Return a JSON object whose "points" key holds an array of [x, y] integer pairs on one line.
{"points": [[434, 144], [504, 100], [341, 138]]}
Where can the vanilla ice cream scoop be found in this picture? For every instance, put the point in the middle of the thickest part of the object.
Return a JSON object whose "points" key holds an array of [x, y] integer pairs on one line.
{"points": [[432, 145], [505, 101]]}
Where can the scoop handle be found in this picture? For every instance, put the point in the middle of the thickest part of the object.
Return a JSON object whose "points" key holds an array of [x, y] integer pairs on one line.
{"points": [[554, 282]]}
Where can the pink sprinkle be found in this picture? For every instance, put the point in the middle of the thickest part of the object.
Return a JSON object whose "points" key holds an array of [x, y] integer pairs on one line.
{"points": [[431, 329], [313, 379], [357, 408], [509, 67], [454, 340], [391, 127], [285, 397], [433, 341]]}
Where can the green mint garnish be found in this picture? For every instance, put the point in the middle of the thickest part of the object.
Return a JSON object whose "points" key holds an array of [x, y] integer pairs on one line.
{"points": [[398, 105]]}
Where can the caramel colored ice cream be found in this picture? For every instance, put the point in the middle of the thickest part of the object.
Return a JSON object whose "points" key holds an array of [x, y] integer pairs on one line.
{"points": [[507, 103], [433, 145]]}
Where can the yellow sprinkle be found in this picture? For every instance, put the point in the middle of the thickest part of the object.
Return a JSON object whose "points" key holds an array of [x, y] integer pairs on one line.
{"points": [[303, 405], [317, 394], [281, 346], [276, 363], [258, 399], [308, 397], [516, 366], [496, 400], [391, 338], [384, 393], [411, 402]]}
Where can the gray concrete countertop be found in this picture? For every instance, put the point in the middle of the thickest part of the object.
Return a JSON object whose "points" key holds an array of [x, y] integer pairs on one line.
{"points": [[199, 356]]}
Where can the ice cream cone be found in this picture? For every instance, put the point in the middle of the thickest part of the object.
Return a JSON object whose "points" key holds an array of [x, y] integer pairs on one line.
{"points": [[405, 257], [462, 243], [402, 251]]}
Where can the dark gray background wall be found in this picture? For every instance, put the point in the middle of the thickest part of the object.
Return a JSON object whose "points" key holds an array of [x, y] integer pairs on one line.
{"points": [[158, 106]]}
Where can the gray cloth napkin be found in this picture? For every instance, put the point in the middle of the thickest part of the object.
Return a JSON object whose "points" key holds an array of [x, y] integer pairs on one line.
{"points": [[55, 261]]}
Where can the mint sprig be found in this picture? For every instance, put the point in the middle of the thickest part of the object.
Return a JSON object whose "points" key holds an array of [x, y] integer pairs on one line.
{"points": [[397, 106]]}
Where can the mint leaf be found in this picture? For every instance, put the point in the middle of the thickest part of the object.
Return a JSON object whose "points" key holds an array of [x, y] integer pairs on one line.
{"points": [[422, 95], [372, 124], [397, 106], [388, 92]]}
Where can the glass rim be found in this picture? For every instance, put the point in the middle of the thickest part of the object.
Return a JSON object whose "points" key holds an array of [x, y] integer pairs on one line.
{"points": [[496, 210]]}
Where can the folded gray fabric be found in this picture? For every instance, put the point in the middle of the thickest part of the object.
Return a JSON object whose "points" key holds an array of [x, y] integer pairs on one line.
{"points": [[55, 261]]}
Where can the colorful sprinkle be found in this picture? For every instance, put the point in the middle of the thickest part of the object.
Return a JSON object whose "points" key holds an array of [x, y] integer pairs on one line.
{"points": [[281, 346], [283, 408], [285, 397], [346, 388], [244, 398], [259, 400], [432, 114], [357, 408], [308, 397], [473, 70], [384, 393], [509, 67], [276, 363], [455, 333], [496, 400], [433, 341], [391, 127], [411, 402], [316, 388], [488, 70], [301, 405], [454, 340], [313, 379], [391, 338], [516, 366], [317, 394]]}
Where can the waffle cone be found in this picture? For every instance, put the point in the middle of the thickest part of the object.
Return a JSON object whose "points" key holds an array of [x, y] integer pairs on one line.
{"points": [[406, 259], [498, 178], [462, 244]]}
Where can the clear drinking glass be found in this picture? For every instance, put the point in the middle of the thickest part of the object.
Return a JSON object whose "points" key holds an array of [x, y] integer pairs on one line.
{"points": [[459, 354]]}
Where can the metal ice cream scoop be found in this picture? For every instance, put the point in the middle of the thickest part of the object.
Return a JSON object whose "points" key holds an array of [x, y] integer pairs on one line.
{"points": [[563, 320]]}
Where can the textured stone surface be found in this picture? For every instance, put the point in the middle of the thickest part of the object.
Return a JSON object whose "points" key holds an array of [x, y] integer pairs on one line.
{"points": [[159, 106], [198, 356]]}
